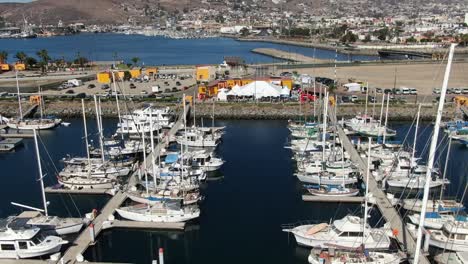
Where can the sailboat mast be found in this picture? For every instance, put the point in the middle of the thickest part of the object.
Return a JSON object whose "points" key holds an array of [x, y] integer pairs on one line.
{"points": [[324, 132], [432, 149], [98, 122], [144, 163], [185, 138], [366, 198], [19, 96], [40, 103], [386, 120], [315, 99], [153, 161], [381, 109], [39, 166], [85, 132], [445, 167], [413, 153], [117, 101], [194, 114]]}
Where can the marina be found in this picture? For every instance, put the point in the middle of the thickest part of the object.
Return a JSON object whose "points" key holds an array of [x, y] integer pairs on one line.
{"points": [[158, 179]]}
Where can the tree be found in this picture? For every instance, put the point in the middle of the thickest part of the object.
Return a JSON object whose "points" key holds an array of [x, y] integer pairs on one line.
{"points": [[21, 56], [244, 32], [80, 60], [463, 40], [44, 59], [349, 37], [135, 60], [3, 56], [367, 38], [410, 40], [30, 62]]}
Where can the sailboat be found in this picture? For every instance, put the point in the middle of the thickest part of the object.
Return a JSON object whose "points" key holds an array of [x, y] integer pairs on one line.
{"points": [[28, 124], [47, 223]]}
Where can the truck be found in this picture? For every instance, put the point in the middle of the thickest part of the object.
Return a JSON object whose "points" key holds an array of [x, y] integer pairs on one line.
{"points": [[155, 89], [75, 82]]}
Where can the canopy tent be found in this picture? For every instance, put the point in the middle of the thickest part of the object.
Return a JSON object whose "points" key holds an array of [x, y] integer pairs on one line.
{"points": [[353, 87], [259, 89], [222, 95], [234, 90], [285, 92]]}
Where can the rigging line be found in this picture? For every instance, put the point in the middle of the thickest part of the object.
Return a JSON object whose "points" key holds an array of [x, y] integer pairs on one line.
{"points": [[56, 170]]}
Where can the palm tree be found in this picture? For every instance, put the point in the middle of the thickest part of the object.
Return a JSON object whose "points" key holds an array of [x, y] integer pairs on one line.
{"points": [[45, 58], [3, 56], [21, 56], [135, 60]]}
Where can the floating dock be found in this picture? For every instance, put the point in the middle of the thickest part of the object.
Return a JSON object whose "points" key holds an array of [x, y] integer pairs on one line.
{"points": [[79, 191], [9, 144], [326, 199], [388, 211]]}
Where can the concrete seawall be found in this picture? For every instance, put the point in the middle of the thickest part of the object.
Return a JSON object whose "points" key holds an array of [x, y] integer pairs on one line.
{"points": [[72, 109]]}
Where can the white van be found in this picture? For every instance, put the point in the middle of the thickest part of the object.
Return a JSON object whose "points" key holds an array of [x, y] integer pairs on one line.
{"points": [[405, 90]]}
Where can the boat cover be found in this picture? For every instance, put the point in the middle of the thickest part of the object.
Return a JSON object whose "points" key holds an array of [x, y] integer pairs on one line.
{"points": [[317, 228]]}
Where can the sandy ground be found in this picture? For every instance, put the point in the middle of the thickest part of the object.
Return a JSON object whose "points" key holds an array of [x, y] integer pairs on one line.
{"points": [[423, 77]]}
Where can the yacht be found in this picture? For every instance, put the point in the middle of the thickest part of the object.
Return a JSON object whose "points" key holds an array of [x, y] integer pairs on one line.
{"points": [[161, 212], [48, 224], [200, 140], [26, 242], [205, 161], [433, 220], [94, 171], [440, 206], [453, 236], [160, 117], [30, 124], [352, 257], [327, 178], [332, 191], [155, 197], [85, 183], [345, 232]]}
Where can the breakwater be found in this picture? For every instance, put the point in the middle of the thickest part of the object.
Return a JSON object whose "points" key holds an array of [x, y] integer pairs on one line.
{"points": [[72, 109]]}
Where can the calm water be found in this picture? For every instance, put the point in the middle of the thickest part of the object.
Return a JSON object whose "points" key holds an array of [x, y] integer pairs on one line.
{"points": [[156, 50], [243, 211]]}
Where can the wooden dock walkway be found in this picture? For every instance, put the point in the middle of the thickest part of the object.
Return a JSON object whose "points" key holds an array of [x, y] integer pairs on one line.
{"points": [[388, 211], [323, 199], [84, 240]]}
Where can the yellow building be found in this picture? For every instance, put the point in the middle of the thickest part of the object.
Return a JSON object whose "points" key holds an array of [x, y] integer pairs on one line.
{"points": [[204, 73], [20, 66], [135, 73], [104, 77], [5, 67], [151, 71]]}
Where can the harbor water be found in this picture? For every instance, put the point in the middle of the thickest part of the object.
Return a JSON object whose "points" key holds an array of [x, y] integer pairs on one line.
{"points": [[158, 50], [246, 204]]}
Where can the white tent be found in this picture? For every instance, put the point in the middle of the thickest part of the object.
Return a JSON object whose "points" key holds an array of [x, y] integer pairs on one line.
{"points": [[259, 89], [222, 95], [235, 90], [353, 87], [285, 92]]}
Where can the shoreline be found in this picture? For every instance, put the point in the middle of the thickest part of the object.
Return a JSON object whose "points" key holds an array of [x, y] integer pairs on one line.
{"points": [[232, 111]]}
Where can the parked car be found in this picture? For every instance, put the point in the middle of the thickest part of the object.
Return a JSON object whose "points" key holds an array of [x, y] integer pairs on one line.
{"points": [[354, 98], [70, 92], [396, 91], [144, 92], [436, 91], [81, 95], [378, 90], [465, 91], [167, 90], [388, 91], [178, 83], [413, 91], [371, 99], [105, 86], [405, 91], [457, 91], [174, 89], [345, 99], [132, 86], [91, 86]]}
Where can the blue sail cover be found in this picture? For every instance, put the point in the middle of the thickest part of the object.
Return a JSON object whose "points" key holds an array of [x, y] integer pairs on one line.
{"points": [[433, 215], [171, 158]]}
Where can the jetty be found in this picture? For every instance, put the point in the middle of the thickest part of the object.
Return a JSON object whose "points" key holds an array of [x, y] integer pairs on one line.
{"points": [[106, 218], [387, 210], [285, 55]]}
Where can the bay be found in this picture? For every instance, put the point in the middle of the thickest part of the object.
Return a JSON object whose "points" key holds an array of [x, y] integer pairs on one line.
{"points": [[157, 50]]}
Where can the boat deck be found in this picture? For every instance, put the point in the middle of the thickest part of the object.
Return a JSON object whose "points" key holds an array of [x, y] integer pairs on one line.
{"points": [[325, 199], [143, 225]]}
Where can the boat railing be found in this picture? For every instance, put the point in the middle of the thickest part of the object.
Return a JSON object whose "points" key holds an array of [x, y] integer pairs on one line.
{"points": [[299, 223]]}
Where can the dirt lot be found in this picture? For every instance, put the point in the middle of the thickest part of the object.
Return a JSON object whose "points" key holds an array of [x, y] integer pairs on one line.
{"points": [[423, 77]]}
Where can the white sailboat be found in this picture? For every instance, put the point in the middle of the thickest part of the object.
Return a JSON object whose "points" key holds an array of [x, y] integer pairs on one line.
{"points": [[31, 123]]}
